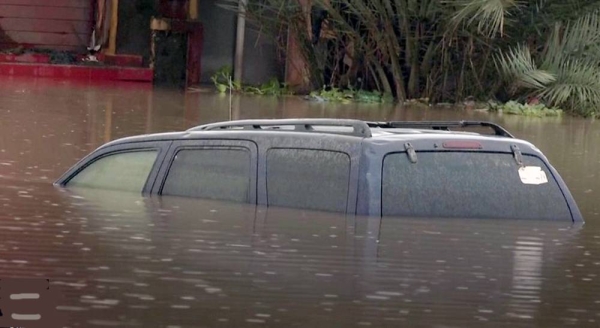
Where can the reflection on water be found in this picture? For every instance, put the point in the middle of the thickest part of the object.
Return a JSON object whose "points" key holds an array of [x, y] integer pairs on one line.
{"points": [[125, 260], [114, 255], [527, 276]]}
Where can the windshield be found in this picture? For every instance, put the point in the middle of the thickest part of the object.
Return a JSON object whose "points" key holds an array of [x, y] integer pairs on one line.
{"points": [[470, 185]]}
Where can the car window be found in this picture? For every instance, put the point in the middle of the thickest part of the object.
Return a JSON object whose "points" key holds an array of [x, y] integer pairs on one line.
{"points": [[123, 171], [470, 185], [218, 173], [309, 179]]}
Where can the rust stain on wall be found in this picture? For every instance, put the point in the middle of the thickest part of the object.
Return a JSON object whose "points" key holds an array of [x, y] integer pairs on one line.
{"points": [[5, 41]]}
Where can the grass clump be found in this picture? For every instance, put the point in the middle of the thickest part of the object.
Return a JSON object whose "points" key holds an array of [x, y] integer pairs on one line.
{"points": [[350, 95], [223, 81], [516, 108]]}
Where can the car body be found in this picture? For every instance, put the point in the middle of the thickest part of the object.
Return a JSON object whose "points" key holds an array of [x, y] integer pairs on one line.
{"points": [[417, 169]]}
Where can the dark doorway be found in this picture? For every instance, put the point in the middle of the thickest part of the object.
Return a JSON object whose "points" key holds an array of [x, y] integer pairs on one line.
{"points": [[170, 64]]}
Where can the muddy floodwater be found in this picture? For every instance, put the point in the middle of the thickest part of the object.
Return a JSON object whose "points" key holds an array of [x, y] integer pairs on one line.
{"points": [[121, 260]]}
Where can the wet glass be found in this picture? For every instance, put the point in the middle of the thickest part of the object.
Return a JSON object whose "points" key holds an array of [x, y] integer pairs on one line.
{"points": [[469, 185]]}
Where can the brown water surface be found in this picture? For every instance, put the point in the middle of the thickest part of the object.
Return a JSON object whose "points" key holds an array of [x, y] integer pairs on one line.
{"points": [[125, 260]]}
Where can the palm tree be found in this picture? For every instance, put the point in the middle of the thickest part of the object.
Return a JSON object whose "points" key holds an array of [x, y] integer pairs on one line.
{"points": [[445, 49], [566, 72]]}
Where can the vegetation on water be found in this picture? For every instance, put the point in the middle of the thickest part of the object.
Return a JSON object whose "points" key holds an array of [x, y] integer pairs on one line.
{"points": [[445, 50], [223, 81], [516, 108], [349, 95]]}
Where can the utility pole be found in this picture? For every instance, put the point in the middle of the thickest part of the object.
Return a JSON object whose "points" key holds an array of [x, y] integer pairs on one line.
{"points": [[238, 65]]}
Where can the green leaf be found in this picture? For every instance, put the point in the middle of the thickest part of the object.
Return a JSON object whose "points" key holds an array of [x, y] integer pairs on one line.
{"points": [[222, 88]]}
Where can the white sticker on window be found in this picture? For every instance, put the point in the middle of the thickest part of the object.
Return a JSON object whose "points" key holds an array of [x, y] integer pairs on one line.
{"points": [[533, 175]]}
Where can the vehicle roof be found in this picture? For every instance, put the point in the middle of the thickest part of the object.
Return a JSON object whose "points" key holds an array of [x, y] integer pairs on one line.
{"points": [[340, 129]]}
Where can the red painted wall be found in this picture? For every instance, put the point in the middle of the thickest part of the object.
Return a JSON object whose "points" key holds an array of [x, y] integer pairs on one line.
{"points": [[54, 24]]}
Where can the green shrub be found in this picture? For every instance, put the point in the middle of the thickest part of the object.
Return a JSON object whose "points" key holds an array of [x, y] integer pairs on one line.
{"points": [[515, 108]]}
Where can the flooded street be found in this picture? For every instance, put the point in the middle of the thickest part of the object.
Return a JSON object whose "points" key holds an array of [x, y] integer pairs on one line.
{"points": [[127, 261]]}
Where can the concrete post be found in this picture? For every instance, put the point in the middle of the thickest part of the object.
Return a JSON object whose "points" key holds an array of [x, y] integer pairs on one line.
{"points": [[238, 65]]}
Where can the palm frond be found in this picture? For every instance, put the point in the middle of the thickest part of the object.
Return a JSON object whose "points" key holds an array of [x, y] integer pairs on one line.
{"points": [[490, 16], [580, 39], [553, 11], [518, 66], [577, 85]]}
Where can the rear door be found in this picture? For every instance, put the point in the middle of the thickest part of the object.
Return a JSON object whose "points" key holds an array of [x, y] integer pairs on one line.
{"points": [[470, 184], [223, 170], [310, 172], [462, 178]]}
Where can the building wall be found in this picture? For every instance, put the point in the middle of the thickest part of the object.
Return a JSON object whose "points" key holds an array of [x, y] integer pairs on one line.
{"points": [[133, 32], [66, 25], [219, 37], [260, 62], [53, 24], [260, 58]]}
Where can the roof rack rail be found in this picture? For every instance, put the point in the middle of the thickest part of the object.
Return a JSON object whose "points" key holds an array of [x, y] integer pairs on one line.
{"points": [[359, 128], [442, 125]]}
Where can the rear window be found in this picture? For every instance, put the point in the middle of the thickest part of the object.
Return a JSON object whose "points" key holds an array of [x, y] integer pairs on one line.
{"points": [[470, 185], [219, 174], [309, 179]]}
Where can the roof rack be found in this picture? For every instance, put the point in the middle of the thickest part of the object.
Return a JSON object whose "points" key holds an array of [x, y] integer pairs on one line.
{"points": [[359, 128], [442, 125]]}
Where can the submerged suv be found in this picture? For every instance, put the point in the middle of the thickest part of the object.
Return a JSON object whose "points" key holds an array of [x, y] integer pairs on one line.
{"points": [[416, 169]]}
